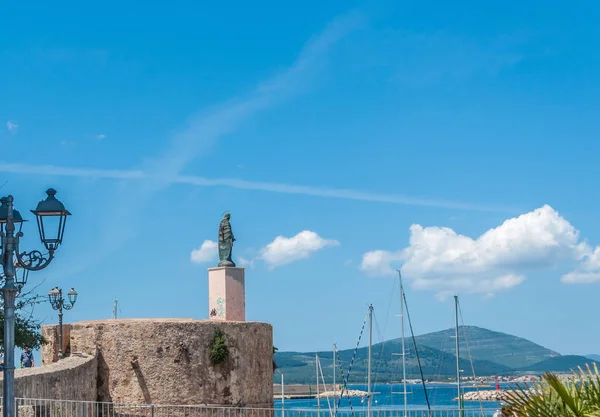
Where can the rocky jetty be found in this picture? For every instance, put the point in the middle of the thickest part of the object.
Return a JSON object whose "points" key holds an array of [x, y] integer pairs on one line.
{"points": [[347, 393], [486, 395]]}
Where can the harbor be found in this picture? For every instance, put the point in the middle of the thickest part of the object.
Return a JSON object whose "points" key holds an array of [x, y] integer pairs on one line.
{"points": [[388, 400], [401, 396]]}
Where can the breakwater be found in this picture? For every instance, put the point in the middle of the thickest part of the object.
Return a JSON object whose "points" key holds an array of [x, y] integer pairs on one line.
{"points": [[488, 395]]}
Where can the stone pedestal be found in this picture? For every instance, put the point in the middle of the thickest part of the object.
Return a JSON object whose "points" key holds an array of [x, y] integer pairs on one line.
{"points": [[226, 294]]}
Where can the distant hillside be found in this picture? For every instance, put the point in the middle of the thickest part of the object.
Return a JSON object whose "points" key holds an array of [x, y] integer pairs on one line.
{"points": [[299, 367], [492, 353], [564, 363], [502, 348], [593, 357]]}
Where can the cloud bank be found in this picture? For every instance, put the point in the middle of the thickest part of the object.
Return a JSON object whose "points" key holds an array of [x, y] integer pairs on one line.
{"points": [[441, 260]]}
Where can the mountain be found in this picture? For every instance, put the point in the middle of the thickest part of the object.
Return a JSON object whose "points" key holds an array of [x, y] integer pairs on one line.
{"points": [[564, 363], [484, 344], [593, 357], [299, 367], [492, 353]]}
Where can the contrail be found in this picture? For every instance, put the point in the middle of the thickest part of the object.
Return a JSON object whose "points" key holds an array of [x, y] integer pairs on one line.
{"points": [[315, 191], [201, 132]]}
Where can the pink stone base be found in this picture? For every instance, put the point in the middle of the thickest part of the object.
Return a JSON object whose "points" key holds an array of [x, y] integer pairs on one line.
{"points": [[226, 294]]}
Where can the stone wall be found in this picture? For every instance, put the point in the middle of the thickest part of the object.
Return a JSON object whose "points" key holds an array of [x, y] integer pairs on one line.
{"points": [[72, 378], [166, 361], [50, 352]]}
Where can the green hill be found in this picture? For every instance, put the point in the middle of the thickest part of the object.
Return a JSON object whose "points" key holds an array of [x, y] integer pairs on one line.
{"points": [[502, 348], [299, 367], [492, 353], [564, 363]]}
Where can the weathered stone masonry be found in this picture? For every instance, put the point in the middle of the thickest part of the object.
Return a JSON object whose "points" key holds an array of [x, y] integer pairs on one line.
{"points": [[73, 378], [166, 361]]}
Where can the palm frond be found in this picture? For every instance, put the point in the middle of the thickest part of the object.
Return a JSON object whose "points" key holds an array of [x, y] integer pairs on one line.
{"points": [[578, 396]]}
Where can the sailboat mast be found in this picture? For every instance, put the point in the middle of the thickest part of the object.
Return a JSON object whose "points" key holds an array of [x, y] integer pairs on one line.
{"points": [[317, 374], [402, 336], [334, 388], [457, 353], [369, 363], [282, 396]]}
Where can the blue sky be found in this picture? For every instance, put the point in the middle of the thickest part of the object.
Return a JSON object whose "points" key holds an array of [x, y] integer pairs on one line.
{"points": [[347, 121]]}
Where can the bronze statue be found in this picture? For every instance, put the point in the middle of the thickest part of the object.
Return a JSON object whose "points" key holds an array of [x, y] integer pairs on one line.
{"points": [[226, 240]]}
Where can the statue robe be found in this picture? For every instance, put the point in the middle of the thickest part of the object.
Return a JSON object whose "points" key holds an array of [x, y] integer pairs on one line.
{"points": [[226, 240]]}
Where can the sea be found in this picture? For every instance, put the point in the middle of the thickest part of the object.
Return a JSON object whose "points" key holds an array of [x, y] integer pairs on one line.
{"points": [[389, 396]]}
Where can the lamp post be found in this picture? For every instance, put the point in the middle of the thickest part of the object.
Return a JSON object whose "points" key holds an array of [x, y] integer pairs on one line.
{"points": [[58, 303], [47, 211]]}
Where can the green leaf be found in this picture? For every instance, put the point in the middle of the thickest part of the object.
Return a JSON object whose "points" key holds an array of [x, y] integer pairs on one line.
{"points": [[218, 348]]}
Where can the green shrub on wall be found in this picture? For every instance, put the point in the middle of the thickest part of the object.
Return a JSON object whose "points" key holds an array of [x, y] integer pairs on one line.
{"points": [[218, 348]]}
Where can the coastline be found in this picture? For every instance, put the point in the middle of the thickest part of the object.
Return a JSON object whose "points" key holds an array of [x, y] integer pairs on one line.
{"points": [[304, 392], [309, 391]]}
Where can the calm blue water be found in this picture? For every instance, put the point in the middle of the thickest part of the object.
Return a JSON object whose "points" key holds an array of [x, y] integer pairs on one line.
{"points": [[440, 396]]}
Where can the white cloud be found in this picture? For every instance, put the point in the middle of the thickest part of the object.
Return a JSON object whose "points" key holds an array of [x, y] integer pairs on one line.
{"points": [[284, 250], [580, 277], [281, 251], [205, 253], [446, 287], [379, 262], [12, 126], [587, 272], [100, 136], [246, 263], [441, 260]]}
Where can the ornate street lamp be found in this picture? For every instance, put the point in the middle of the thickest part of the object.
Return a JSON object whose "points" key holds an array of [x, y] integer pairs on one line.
{"points": [[45, 212], [20, 281], [58, 303]]}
